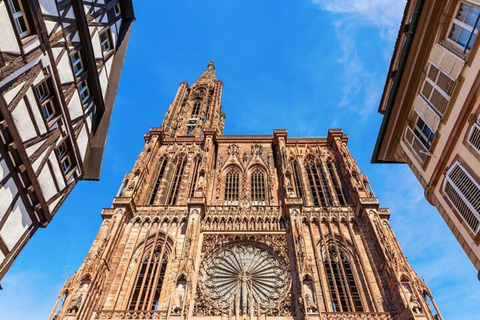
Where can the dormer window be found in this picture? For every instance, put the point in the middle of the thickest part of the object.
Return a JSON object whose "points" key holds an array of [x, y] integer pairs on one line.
{"points": [[84, 91], [465, 26], [19, 18], [77, 63], [106, 41], [65, 156], [117, 10], [46, 99]]}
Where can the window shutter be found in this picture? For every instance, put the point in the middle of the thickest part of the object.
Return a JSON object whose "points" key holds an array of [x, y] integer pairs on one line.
{"points": [[474, 135], [464, 193]]}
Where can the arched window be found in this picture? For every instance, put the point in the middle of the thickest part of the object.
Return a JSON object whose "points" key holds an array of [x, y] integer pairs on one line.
{"points": [[318, 183], [193, 185], [176, 180], [257, 185], [151, 274], [196, 109], [156, 186], [337, 184], [297, 179], [232, 185], [341, 281]]}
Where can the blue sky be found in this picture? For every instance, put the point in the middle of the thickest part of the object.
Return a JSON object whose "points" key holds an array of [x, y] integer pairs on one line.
{"points": [[298, 64]]}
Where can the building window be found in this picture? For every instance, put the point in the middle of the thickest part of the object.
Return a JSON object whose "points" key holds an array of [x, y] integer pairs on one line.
{"points": [[193, 185], [232, 181], [341, 282], [464, 193], [337, 185], [84, 90], [65, 157], [318, 184], [106, 41], [151, 274], [191, 125], [437, 89], [420, 138], [46, 99], [297, 179], [19, 17], [465, 26], [177, 180], [158, 181], [117, 10], [196, 109], [474, 135], [77, 63], [257, 185]]}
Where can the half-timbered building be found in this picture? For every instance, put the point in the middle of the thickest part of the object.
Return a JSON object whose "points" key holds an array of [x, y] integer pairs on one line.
{"points": [[213, 226], [60, 64]]}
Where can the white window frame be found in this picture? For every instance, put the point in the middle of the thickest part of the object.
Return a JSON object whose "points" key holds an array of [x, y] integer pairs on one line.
{"points": [[117, 10], [474, 134], [104, 42], [84, 91], [463, 198], [462, 25], [64, 156], [17, 15], [45, 98], [77, 63]]}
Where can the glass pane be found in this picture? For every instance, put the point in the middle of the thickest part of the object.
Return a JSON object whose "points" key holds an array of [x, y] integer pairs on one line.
{"points": [[472, 16], [462, 12], [470, 43], [463, 37], [15, 6], [454, 32]]}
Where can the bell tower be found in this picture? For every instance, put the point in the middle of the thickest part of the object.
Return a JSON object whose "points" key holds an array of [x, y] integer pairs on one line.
{"points": [[196, 107], [210, 226]]}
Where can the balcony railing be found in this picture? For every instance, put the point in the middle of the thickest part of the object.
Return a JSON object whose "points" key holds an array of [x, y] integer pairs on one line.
{"points": [[413, 141]]}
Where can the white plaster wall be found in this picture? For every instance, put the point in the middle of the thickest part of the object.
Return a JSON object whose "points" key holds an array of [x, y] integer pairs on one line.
{"points": [[82, 141], [50, 25], [103, 81], [22, 122], [37, 113], [109, 64], [8, 41], [64, 69], [16, 225], [31, 150], [52, 206], [75, 106], [47, 185], [48, 7], [57, 171], [96, 44], [7, 193], [11, 94], [3, 169], [31, 45]]}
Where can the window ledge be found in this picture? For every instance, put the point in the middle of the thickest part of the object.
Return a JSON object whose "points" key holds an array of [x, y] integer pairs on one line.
{"points": [[28, 39]]}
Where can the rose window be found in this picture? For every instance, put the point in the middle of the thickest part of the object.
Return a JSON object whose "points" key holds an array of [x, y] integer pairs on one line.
{"points": [[244, 278]]}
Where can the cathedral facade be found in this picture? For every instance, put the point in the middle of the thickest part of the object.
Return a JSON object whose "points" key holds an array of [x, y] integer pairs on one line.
{"points": [[211, 226]]}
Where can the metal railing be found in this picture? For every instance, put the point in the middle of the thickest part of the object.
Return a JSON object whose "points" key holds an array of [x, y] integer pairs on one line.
{"points": [[418, 147]]}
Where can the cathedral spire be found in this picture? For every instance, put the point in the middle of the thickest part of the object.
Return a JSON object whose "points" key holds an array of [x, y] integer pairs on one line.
{"points": [[208, 74]]}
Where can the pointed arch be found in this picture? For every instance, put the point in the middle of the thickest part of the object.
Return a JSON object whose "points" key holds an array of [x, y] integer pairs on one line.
{"points": [[297, 178], [258, 186], [161, 171], [318, 182], [153, 258], [176, 181], [337, 183], [193, 184], [232, 185], [341, 279]]}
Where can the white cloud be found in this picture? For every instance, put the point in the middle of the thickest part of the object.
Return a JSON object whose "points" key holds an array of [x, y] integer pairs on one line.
{"points": [[362, 88], [384, 14]]}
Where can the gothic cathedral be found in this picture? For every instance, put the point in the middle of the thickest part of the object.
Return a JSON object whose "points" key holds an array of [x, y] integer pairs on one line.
{"points": [[210, 226]]}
